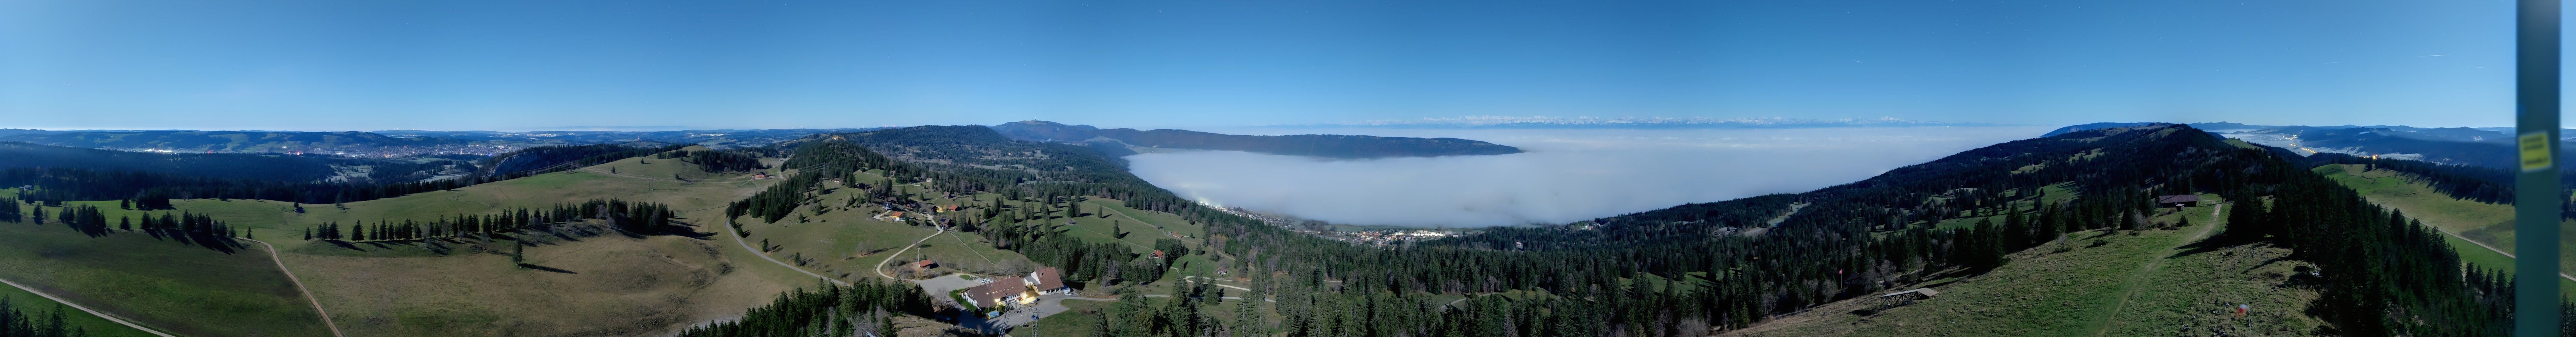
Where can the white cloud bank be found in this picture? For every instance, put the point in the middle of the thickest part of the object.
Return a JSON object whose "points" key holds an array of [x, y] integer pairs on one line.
{"points": [[1566, 175]]}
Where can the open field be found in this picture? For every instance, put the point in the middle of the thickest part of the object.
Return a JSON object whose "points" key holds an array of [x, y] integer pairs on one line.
{"points": [[1080, 321], [2152, 283], [600, 286], [607, 285], [2490, 224], [180, 289]]}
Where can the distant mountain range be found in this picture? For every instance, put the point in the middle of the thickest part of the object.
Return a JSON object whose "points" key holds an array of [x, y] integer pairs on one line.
{"points": [[1329, 146], [389, 143], [2484, 147], [1547, 122], [727, 138]]}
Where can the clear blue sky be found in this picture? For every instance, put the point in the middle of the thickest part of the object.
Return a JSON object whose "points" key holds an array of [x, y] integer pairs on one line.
{"points": [[513, 65]]}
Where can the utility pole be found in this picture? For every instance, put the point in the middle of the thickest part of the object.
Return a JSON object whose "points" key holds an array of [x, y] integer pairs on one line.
{"points": [[2537, 202]]}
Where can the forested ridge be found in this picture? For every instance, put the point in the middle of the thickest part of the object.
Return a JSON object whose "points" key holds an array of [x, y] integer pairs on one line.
{"points": [[67, 174], [546, 159], [1674, 272], [224, 141]]}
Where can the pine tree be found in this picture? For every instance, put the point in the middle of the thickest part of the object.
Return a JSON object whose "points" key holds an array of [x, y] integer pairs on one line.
{"points": [[885, 325]]}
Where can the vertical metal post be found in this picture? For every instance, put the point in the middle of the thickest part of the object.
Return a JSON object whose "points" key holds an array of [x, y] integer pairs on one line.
{"points": [[2537, 202]]}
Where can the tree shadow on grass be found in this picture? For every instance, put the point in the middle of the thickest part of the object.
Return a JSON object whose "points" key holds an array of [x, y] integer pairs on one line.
{"points": [[2211, 244], [545, 268]]}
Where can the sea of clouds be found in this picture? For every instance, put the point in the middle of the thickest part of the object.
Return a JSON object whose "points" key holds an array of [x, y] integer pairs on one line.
{"points": [[1565, 175]]}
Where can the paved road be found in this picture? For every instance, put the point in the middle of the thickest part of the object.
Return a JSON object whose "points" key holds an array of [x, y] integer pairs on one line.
{"points": [[940, 286], [110, 318], [299, 287], [1194, 279], [1048, 305], [746, 246]]}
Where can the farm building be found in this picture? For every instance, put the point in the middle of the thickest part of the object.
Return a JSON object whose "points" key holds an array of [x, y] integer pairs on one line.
{"points": [[1003, 291], [1048, 281], [2178, 201]]}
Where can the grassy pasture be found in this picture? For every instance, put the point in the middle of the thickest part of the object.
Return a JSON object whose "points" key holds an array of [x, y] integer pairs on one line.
{"points": [[2144, 284], [175, 288], [2486, 223], [31, 304]]}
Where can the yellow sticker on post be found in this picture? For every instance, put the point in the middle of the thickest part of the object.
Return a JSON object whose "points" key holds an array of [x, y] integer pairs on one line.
{"points": [[2535, 152]]}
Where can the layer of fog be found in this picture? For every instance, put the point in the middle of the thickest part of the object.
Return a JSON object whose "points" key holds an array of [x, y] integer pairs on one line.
{"points": [[1566, 175], [2292, 142]]}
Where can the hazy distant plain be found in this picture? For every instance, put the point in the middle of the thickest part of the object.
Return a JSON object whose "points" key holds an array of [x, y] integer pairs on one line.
{"points": [[1566, 175]]}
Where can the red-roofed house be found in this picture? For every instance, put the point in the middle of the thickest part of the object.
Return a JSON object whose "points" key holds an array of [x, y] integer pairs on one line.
{"points": [[924, 266]]}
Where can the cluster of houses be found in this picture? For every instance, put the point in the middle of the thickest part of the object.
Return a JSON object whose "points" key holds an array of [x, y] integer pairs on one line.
{"points": [[1389, 237], [1018, 290]]}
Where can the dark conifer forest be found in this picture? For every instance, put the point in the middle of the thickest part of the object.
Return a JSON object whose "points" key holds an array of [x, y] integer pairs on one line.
{"points": [[638, 218], [51, 323], [546, 159]]}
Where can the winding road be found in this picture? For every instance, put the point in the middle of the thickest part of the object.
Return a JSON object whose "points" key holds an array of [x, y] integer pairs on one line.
{"points": [[880, 268]]}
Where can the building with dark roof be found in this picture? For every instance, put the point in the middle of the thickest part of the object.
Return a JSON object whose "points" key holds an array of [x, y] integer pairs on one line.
{"points": [[1048, 281], [1001, 292], [2178, 201]]}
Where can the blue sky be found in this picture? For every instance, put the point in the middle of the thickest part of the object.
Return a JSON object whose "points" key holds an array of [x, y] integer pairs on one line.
{"points": [[515, 65]]}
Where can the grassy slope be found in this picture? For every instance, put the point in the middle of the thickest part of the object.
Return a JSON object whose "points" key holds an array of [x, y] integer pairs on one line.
{"points": [[619, 285], [2491, 224], [2081, 292], [175, 288], [624, 286], [846, 240], [833, 239], [1076, 322], [29, 303]]}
